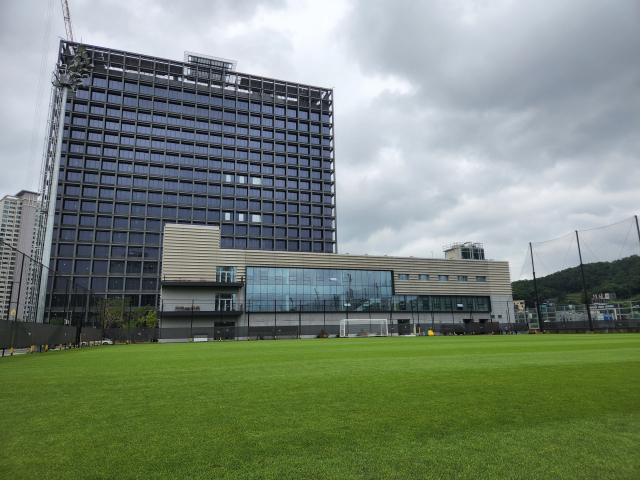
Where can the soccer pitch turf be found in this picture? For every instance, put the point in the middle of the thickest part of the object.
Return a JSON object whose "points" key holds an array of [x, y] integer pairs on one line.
{"points": [[521, 406]]}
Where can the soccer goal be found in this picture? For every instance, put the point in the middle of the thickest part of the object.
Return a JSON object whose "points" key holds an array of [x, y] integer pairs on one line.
{"points": [[374, 327]]}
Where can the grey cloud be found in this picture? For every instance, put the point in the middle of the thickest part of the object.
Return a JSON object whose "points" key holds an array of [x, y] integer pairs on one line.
{"points": [[520, 121], [499, 122]]}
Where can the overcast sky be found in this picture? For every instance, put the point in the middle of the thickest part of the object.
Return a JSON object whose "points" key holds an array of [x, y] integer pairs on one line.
{"points": [[499, 122]]}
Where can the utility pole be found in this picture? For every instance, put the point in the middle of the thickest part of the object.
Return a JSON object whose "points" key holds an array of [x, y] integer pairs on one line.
{"points": [[535, 287], [584, 285], [65, 79]]}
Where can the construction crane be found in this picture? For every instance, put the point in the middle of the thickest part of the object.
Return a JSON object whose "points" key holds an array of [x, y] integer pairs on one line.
{"points": [[67, 20]]}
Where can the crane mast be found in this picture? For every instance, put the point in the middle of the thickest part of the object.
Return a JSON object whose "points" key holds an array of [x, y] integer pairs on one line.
{"points": [[67, 20]]}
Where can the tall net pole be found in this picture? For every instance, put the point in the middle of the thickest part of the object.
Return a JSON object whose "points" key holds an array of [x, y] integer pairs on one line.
{"points": [[584, 284], [535, 287]]}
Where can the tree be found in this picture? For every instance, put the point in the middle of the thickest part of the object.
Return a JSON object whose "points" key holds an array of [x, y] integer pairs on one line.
{"points": [[151, 319], [113, 311], [141, 317]]}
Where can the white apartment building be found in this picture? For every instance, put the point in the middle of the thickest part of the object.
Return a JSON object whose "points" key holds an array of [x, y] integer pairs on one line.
{"points": [[17, 223]]}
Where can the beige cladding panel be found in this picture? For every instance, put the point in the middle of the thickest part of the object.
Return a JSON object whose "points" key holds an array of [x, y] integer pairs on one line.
{"points": [[192, 252]]}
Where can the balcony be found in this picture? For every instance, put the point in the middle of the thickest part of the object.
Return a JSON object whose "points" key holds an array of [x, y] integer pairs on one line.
{"points": [[195, 308], [223, 279]]}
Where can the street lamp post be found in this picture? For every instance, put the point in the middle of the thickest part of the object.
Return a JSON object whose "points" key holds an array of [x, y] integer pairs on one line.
{"points": [[71, 78]]}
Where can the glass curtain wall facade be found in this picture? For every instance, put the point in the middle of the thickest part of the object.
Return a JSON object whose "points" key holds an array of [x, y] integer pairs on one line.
{"points": [[152, 141], [289, 289], [292, 289]]}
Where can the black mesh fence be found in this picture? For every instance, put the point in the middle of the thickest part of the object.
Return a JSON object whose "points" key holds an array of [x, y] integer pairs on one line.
{"points": [[26, 335], [68, 300]]}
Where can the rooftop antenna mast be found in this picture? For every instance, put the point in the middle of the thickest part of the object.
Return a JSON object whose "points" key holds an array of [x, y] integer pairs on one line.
{"points": [[67, 20]]}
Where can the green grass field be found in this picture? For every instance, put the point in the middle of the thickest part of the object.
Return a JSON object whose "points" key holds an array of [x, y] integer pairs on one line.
{"points": [[526, 406]]}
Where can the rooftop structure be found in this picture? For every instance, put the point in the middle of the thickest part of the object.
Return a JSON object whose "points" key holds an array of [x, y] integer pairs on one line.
{"points": [[464, 251]]}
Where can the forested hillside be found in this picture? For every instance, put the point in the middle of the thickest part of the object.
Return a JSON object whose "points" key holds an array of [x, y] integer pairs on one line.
{"points": [[621, 277]]}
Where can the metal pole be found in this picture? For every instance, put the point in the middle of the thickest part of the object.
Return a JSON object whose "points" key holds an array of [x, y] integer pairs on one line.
{"points": [[10, 297], [275, 319], [66, 300], [43, 271], [535, 287], [412, 311], [324, 314], [19, 289], [453, 319], [248, 317], [191, 335], [84, 310], [53, 195], [300, 320], [584, 284]]}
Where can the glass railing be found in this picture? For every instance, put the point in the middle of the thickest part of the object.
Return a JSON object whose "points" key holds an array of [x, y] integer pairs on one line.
{"points": [[189, 306]]}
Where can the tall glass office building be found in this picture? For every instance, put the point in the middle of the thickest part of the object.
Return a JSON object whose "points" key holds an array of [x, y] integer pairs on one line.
{"points": [[152, 141]]}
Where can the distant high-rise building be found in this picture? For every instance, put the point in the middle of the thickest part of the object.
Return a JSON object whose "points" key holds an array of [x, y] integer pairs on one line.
{"points": [[152, 141], [16, 231]]}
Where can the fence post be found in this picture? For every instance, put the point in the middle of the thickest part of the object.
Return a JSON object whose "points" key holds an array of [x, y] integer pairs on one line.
{"points": [[300, 321], [11, 340]]}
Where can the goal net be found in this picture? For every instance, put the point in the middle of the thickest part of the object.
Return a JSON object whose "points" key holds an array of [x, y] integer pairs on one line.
{"points": [[364, 327]]}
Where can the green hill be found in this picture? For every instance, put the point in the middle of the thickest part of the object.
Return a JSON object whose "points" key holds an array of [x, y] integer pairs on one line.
{"points": [[621, 277]]}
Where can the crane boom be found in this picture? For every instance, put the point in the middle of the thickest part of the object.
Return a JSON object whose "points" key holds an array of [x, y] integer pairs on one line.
{"points": [[67, 20]]}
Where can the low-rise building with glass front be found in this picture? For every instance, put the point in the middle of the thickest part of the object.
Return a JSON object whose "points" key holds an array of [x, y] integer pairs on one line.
{"points": [[214, 293]]}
